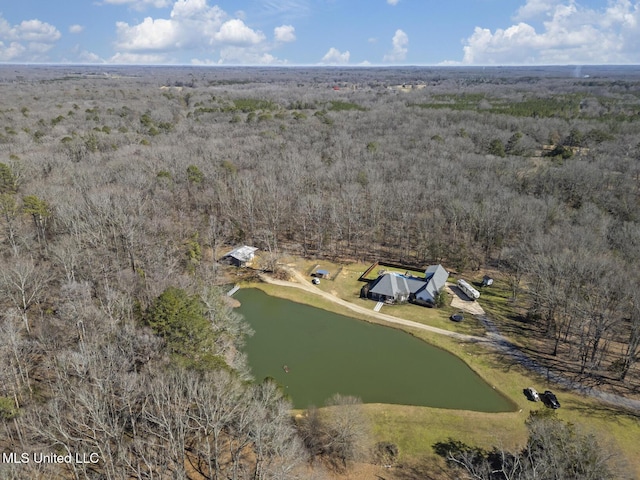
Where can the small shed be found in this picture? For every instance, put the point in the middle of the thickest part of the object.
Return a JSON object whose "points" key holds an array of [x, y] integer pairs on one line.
{"points": [[240, 256], [322, 273], [487, 281]]}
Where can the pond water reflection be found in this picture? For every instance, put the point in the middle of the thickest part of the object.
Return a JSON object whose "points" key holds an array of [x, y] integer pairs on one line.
{"points": [[314, 353]]}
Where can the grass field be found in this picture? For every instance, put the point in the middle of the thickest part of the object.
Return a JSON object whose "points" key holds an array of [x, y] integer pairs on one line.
{"points": [[416, 429]]}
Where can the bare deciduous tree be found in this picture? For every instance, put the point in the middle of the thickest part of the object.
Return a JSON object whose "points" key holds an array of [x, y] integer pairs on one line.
{"points": [[24, 283], [339, 434]]}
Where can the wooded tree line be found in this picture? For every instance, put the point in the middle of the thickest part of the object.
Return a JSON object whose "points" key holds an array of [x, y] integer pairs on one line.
{"points": [[116, 193]]}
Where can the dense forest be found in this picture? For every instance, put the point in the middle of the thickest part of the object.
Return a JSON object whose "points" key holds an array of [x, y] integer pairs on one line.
{"points": [[119, 186]]}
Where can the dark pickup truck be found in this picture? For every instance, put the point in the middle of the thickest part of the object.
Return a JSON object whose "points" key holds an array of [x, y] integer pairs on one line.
{"points": [[549, 399]]}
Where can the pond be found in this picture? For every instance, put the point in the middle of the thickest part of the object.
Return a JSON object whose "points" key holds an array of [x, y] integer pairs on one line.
{"points": [[314, 354]]}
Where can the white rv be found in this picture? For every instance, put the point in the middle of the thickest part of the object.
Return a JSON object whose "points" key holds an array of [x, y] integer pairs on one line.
{"points": [[468, 290]]}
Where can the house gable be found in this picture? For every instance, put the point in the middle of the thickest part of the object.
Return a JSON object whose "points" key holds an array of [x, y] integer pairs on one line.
{"points": [[436, 278]]}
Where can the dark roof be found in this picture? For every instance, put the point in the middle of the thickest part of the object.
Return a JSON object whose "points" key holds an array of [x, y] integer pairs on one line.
{"points": [[390, 285], [394, 284]]}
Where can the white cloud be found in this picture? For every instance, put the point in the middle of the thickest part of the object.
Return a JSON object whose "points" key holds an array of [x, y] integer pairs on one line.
{"points": [[83, 56], [11, 52], [89, 57], [335, 57], [235, 32], [286, 8], [393, 2], [233, 55], [200, 30], [559, 32], [140, 4], [28, 41], [30, 31], [534, 9], [236, 55], [400, 43], [39, 48], [76, 29], [284, 33], [194, 8], [160, 34]]}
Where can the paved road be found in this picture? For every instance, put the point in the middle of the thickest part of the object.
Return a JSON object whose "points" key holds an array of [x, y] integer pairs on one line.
{"points": [[493, 339]]}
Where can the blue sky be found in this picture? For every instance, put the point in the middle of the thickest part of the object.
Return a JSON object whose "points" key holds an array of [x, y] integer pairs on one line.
{"points": [[321, 32]]}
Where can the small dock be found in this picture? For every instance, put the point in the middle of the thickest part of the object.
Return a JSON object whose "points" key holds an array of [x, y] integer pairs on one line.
{"points": [[233, 290], [378, 306]]}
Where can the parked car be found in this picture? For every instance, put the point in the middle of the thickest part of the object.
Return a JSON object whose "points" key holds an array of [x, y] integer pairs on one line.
{"points": [[531, 394], [457, 317], [550, 400], [315, 281]]}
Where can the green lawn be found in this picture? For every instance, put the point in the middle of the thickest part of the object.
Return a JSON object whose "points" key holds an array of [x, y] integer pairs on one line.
{"points": [[416, 429]]}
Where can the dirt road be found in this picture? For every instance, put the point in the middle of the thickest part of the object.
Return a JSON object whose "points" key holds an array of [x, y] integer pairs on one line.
{"points": [[493, 339]]}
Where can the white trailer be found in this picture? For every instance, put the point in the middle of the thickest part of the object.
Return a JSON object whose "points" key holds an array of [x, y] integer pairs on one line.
{"points": [[468, 290]]}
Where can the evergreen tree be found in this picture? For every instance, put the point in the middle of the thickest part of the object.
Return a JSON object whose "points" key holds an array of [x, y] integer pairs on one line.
{"points": [[180, 319]]}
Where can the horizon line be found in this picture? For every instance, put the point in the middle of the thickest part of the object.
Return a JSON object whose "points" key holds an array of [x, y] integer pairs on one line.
{"points": [[316, 65]]}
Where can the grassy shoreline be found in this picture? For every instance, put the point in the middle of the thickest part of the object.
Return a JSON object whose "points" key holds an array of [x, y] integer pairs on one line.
{"points": [[416, 429]]}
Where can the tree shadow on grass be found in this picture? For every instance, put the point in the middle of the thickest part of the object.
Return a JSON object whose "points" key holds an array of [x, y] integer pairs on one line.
{"points": [[602, 411], [425, 469], [534, 360]]}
